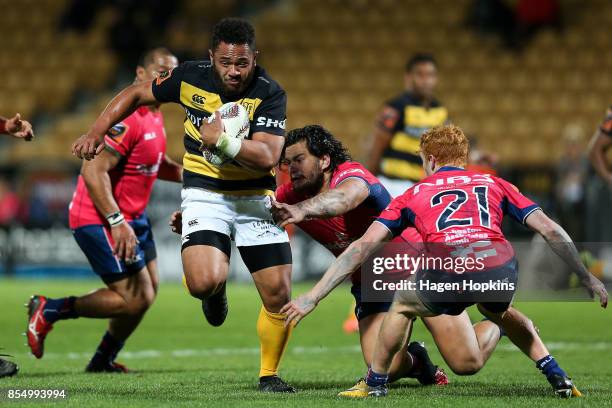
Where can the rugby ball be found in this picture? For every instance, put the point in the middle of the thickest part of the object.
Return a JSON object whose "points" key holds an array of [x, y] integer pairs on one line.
{"points": [[236, 124]]}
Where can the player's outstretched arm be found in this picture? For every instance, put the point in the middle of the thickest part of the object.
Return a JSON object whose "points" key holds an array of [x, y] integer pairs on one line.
{"points": [[331, 203], [342, 267], [562, 244], [120, 107], [598, 146], [97, 180], [16, 127], [170, 170]]}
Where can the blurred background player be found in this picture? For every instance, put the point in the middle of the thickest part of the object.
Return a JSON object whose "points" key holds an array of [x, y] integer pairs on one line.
{"points": [[444, 151], [224, 201], [21, 129], [393, 157], [16, 127], [110, 225]]}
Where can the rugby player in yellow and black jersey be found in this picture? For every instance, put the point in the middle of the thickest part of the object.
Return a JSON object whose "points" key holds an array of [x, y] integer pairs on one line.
{"points": [[224, 201], [394, 156]]}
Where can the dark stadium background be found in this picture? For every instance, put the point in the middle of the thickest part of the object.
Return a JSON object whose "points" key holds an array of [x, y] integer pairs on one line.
{"points": [[529, 83]]}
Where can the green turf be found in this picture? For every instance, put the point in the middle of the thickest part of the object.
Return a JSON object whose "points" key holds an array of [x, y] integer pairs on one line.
{"points": [[321, 360]]}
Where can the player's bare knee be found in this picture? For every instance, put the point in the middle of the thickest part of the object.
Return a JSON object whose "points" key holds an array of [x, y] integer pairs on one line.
{"points": [[204, 287], [468, 366], [274, 299]]}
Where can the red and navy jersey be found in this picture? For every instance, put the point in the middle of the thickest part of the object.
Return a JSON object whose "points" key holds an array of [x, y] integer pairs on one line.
{"points": [[459, 207], [339, 232], [140, 140]]}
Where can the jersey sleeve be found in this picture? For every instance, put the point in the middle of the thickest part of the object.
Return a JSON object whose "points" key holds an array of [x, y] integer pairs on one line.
{"points": [[352, 170], [515, 204], [271, 115], [122, 137], [388, 118], [397, 216], [606, 125], [167, 86]]}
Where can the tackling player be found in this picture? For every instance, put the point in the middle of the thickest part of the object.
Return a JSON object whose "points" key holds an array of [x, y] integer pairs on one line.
{"points": [[334, 200], [228, 200], [426, 207], [110, 225]]}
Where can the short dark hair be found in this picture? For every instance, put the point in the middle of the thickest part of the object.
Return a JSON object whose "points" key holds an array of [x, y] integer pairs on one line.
{"points": [[319, 142], [420, 58], [233, 31], [148, 56]]}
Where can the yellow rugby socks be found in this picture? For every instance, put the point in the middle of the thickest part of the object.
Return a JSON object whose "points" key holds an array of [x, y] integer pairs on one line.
{"points": [[273, 337]]}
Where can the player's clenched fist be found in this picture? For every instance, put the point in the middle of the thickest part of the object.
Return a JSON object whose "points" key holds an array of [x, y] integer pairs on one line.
{"points": [[88, 146], [176, 222]]}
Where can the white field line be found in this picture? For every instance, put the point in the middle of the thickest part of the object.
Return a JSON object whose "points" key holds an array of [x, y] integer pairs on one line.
{"points": [[225, 351]]}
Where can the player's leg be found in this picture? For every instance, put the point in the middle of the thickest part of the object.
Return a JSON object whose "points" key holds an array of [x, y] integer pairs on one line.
{"points": [[206, 249], [521, 331], [392, 335], [464, 347], [274, 286], [107, 302], [265, 250], [411, 361], [138, 294], [205, 268]]}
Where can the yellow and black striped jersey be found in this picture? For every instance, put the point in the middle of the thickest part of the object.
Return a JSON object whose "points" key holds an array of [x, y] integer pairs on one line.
{"points": [[193, 85], [406, 119]]}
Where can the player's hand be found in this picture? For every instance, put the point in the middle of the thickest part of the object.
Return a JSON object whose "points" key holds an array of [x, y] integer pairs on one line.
{"points": [[176, 222], [297, 309], [19, 128], [88, 146], [125, 241], [210, 132], [285, 214], [595, 287]]}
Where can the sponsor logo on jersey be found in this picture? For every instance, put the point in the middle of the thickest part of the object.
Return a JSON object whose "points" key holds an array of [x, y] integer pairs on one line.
{"points": [[150, 135], [198, 99], [267, 122], [456, 180]]}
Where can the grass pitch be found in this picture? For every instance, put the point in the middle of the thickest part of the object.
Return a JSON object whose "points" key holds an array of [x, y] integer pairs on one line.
{"points": [[178, 360]]}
